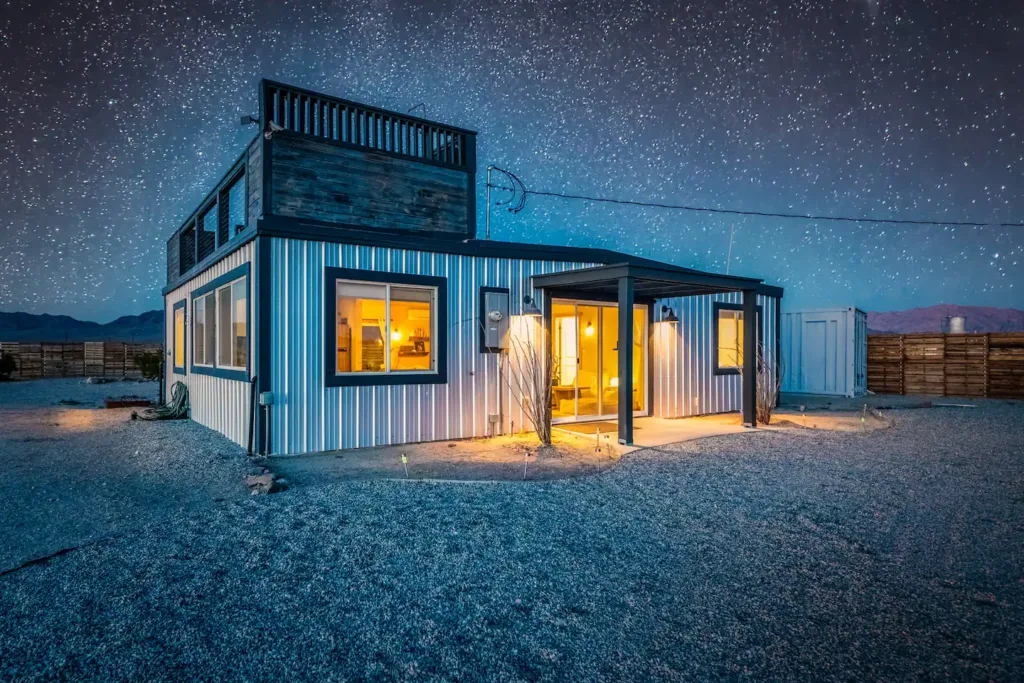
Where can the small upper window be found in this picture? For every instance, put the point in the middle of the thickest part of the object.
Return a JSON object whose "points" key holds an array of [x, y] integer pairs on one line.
{"points": [[236, 208], [384, 328]]}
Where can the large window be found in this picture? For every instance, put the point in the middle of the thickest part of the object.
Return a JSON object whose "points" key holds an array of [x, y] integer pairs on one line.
{"points": [[220, 326], [232, 335], [728, 340], [179, 337], [385, 328]]}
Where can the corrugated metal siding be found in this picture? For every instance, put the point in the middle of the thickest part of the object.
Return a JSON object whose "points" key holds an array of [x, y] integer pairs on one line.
{"points": [[309, 417], [684, 380], [824, 351], [220, 404]]}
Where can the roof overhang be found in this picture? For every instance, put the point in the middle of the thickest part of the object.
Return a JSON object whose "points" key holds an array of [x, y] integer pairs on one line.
{"points": [[649, 282]]}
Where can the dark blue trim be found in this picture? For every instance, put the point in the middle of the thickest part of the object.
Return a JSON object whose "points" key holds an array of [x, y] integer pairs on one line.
{"points": [[440, 345], [226, 373], [342, 233], [723, 306], [239, 375], [179, 369], [263, 293]]}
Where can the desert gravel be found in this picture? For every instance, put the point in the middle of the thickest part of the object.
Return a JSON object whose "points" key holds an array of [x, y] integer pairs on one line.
{"points": [[72, 474], [800, 555]]}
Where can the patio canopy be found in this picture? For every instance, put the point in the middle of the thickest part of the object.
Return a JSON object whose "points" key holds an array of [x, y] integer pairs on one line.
{"points": [[625, 283]]}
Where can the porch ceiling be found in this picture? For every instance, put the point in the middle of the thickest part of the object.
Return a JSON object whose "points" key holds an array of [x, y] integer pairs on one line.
{"points": [[649, 282]]}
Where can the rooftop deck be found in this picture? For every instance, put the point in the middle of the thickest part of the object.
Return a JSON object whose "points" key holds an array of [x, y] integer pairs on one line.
{"points": [[338, 162]]}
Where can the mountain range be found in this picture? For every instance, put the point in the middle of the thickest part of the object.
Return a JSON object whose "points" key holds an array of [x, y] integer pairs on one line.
{"points": [[147, 327], [31, 327], [930, 319]]}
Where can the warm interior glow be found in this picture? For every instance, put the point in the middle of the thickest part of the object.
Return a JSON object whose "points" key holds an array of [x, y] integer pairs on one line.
{"points": [[730, 338], [364, 344]]}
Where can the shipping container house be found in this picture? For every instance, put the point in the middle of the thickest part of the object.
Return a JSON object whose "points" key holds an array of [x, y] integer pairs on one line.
{"points": [[330, 293], [824, 351]]}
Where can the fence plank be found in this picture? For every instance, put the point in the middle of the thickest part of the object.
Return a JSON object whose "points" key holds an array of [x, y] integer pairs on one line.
{"points": [[76, 359], [947, 364]]}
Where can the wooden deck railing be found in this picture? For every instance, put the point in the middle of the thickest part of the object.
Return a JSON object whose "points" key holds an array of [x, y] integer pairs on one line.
{"points": [[947, 364], [76, 359], [359, 125]]}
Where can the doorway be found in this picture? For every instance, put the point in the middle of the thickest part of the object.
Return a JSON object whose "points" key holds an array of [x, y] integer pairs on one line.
{"points": [[585, 355]]}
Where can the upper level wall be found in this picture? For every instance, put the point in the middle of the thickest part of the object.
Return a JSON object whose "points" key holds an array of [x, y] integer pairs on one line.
{"points": [[325, 181]]}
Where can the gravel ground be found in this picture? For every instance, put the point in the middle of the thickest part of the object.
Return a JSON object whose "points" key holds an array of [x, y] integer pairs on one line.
{"points": [[800, 555], [73, 474]]}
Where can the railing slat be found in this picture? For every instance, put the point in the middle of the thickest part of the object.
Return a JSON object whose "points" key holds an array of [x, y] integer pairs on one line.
{"points": [[363, 126]]}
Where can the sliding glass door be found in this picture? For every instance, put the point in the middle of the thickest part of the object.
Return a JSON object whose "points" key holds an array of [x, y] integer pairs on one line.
{"points": [[585, 350]]}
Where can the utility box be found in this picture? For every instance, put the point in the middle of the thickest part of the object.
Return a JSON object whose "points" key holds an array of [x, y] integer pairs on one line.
{"points": [[493, 319], [824, 351]]}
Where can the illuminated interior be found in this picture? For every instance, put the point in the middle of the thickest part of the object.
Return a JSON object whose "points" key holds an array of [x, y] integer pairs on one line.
{"points": [[730, 338], [371, 340], [585, 355], [179, 337]]}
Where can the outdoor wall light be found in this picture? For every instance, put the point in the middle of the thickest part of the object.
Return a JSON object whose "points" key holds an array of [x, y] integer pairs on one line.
{"points": [[530, 307], [589, 330], [670, 317]]}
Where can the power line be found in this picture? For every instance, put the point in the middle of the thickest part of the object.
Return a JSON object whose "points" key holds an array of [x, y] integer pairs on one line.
{"points": [[760, 214]]}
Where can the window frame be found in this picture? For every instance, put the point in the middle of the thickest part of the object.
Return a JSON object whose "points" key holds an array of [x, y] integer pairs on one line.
{"points": [[175, 368], [438, 344], [214, 368], [715, 309]]}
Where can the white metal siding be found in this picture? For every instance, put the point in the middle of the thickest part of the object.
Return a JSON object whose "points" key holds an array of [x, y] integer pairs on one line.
{"points": [[308, 416], [685, 383], [824, 351], [220, 404]]}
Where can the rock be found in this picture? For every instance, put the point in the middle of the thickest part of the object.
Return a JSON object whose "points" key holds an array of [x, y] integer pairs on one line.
{"points": [[266, 482], [259, 483]]}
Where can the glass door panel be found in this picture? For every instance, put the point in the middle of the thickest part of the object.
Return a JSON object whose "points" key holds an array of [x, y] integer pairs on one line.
{"points": [[639, 358], [565, 360], [588, 395], [610, 360]]}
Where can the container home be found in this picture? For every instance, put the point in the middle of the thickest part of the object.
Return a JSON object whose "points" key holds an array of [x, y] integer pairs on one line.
{"points": [[330, 293], [825, 351]]}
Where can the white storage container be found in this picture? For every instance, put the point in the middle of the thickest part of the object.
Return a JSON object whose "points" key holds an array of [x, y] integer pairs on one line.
{"points": [[824, 351]]}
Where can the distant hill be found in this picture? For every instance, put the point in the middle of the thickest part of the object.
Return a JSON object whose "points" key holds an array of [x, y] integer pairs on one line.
{"points": [[146, 327], [979, 319]]}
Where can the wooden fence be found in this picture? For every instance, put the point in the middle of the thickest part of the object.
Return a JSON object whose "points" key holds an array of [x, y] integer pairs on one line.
{"points": [[76, 359], [947, 364]]}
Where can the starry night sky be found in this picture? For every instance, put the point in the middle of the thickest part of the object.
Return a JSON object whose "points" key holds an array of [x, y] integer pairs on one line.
{"points": [[116, 118]]}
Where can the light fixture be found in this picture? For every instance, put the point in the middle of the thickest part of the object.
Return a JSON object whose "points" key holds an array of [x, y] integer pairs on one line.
{"points": [[589, 330], [396, 335], [613, 382], [670, 317], [530, 307]]}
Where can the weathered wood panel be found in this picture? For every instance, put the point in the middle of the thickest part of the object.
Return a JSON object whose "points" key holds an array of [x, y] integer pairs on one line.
{"points": [[947, 365], [332, 183], [173, 261], [255, 180], [76, 359]]}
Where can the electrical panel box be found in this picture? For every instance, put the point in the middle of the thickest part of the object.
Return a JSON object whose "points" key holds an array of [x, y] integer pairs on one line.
{"points": [[493, 319]]}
